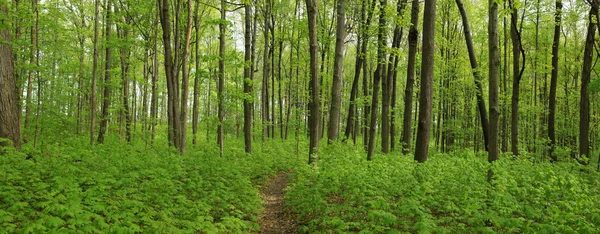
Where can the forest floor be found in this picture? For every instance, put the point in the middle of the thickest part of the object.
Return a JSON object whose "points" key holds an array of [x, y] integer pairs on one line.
{"points": [[275, 218]]}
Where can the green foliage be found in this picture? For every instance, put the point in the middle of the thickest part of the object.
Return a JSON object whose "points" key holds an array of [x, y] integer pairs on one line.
{"points": [[448, 194], [116, 188]]}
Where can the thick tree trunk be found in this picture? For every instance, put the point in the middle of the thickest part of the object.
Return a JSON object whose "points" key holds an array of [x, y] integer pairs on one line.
{"points": [[10, 121], [476, 75], [248, 100], [426, 90], [107, 67], [336, 87], [314, 112], [413, 38], [494, 64], [554, 80], [584, 101]]}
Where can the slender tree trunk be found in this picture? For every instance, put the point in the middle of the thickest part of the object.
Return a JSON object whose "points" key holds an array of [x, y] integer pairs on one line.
{"points": [[554, 80], [124, 34], [494, 64], [517, 73], [248, 100], [336, 87], [314, 112], [266, 73], [106, 95], [10, 121], [172, 87], [220, 87], [366, 77], [33, 52], [154, 102], [94, 73], [379, 73], [196, 77], [504, 87], [185, 79], [413, 38], [476, 75], [584, 101], [426, 90]]}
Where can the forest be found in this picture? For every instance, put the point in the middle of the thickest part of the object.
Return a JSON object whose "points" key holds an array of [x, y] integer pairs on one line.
{"points": [[288, 116]]}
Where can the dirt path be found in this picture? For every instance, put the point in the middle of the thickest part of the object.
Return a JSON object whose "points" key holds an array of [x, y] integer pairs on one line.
{"points": [[275, 218]]}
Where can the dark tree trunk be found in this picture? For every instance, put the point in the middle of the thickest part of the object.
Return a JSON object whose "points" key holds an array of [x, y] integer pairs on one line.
{"points": [[554, 80], [426, 90], [314, 112], [584, 101], [248, 100], [266, 73], [94, 72], [10, 121], [413, 38], [196, 78], [336, 87], [106, 95], [517, 73], [379, 73], [476, 75], [220, 87]]}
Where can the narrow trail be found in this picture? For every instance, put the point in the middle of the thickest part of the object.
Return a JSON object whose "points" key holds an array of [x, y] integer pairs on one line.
{"points": [[275, 218]]}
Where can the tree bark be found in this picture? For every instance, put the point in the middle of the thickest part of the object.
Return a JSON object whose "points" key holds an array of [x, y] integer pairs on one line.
{"points": [[94, 73], [426, 90], [221, 84], [266, 121], [185, 79], [314, 110], [584, 101], [196, 77], [336, 87], [10, 121], [248, 97], [517, 73], [494, 64], [476, 75], [106, 95], [413, 38], [554, 80]]}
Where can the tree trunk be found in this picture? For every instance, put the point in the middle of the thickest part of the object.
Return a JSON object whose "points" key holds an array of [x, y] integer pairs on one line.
{"points": [[554, 80], [413, 38], [314, 112], [32, 59], [494, 64], [336, 87], [426, 90], [10, 121], [476, 75], [124, 34], [379, 73], [106, 95], [266, 73], [248, 100], [185, 79], [220, 87], [196, 77], [154, 102], [94, 73], [517, 73], [584, 101]]}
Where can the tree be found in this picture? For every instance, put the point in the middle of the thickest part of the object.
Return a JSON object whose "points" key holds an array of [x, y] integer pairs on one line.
{"points": [[584, 101], [220, 86], [248, 100], [10, 121], [427, 64], [107, 71], [313, 87], [413, 38], [515, 36], [554, 80], [379, 73], [185, 80], [473, 60], [494, 64], [336, 87], [94, 72]]}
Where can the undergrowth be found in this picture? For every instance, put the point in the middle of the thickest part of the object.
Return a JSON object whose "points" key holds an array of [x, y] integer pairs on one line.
{"points": [[120, 188], [344, 193]]}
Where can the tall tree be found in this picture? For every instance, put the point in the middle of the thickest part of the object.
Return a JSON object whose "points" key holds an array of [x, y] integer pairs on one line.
{"points": [[336, 87], [494, 64], [32, 62], [107, 71], [391, 77], [248, 100], [266, 120], [10, 118], [313, 88], [554, 80], [94, 72], [517, 51], [413, 38], [185, 78], [473, 60], [584, 101], [425, 97], [221, 84]]}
